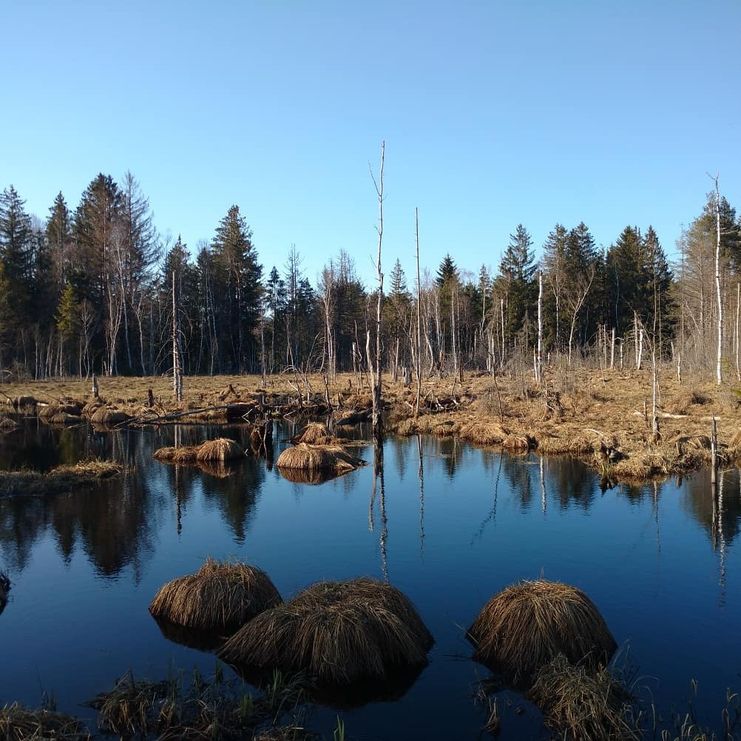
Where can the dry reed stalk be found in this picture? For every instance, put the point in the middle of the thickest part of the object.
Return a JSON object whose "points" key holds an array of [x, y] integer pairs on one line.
{"points": [[336, 632], [22, 724], [580, 704], [526, 625], [218, 597], [318, 458]]}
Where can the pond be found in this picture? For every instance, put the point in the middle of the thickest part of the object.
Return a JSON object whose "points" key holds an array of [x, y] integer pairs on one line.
{"points": [[452, 525]]}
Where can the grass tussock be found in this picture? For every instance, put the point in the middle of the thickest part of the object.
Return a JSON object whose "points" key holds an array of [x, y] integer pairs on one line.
{"points": [[578, 703], [337, 633], [18, 723], [106, 417], [484, 433], [220, 450], [318, 458], [219, 597], [315, 433], [7, 424], [59, 480], [527, 625]]}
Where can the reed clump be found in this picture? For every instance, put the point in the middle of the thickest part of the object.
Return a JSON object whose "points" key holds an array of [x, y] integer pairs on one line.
{"points": [[212, 451], [525, 626], [579, 703], [219, 597], [318, 458], [18, 723], [337, 633], [315, 433]]}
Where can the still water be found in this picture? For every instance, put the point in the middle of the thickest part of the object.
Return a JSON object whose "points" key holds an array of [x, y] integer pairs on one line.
{"points": [[452, 525]]}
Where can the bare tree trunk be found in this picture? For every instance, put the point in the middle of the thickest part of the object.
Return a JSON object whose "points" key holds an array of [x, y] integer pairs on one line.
{"points": [[377, 401], [738, 327], [419, 317], [539, 363], [177, 378], [718, 365]]}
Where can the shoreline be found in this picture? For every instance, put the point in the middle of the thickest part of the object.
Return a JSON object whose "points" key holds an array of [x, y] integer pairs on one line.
{"points": [[601, 417]]}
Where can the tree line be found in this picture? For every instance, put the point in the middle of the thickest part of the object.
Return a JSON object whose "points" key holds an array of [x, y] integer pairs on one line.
{"points": [[96, 289]]}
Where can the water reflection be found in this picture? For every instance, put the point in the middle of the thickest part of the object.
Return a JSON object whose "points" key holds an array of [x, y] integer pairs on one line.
{"points": [[113, 523]]}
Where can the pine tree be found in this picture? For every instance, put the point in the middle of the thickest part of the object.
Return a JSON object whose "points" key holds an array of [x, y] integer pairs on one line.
{"points": [[516, 283], [238, 276], [59, 239]]}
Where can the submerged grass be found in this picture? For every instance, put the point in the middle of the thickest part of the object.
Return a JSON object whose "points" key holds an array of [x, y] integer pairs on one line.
{"points": [[220, 597], [59, 480], [337, 633], [527, 625], [201, 709]]}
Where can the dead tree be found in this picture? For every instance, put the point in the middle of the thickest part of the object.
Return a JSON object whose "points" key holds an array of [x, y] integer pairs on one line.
{"points": [[376, 376], [419, 317], [719, 296], [177, 375]]}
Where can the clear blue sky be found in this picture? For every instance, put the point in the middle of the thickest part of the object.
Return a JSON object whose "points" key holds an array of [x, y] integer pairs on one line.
{"points": [[494, 113]]}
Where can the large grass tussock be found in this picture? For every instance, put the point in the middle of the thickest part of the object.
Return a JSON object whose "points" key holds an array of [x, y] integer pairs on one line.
{"points": [[336, 632], [525, 626], [318, 458], [219, 597]]}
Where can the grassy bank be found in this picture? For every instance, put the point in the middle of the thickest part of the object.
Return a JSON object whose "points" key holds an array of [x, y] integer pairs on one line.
{"points": [[60, 480], [600, 416]]}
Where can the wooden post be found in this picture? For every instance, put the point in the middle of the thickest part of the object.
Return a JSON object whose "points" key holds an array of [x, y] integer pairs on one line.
{"points": [[96, 391]]}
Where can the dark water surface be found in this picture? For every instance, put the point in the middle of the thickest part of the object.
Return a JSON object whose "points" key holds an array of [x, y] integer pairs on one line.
{"points": [[455, 524]]}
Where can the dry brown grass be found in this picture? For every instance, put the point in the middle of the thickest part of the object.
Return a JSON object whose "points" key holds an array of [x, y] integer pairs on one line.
{"points": [[106, 417], [220, 450], [18, 723], [528, 624], [579, 704], [59, 480], [219, 597], [336, 632], [684, 400], [315, 433], [212, 451], [318, 458], [7, 424], [592, 404]]}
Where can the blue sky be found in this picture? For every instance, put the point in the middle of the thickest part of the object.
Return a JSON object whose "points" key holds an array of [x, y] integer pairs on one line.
{"points": [[494, 113]]}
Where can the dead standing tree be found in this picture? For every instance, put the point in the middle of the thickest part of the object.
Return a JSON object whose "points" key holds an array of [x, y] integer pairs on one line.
{"points": [[376, 372]]}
